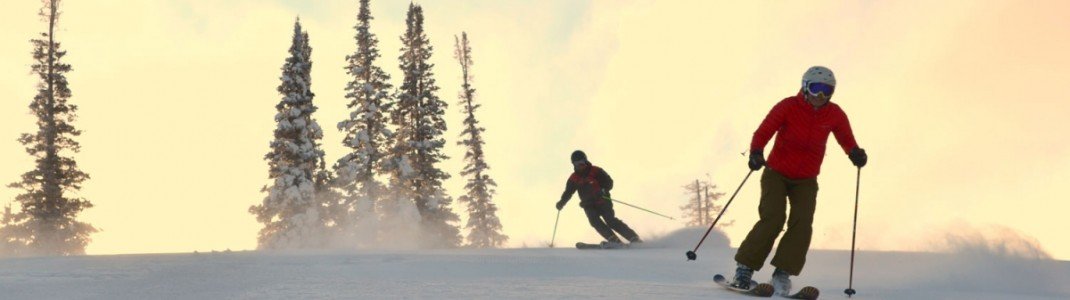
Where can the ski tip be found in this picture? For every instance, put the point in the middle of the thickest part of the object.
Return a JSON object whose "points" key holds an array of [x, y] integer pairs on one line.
{"points": [[763, 290], [809, 293]]}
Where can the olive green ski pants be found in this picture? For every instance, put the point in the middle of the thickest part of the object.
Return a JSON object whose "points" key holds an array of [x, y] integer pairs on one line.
{"points": [[777, 192]]}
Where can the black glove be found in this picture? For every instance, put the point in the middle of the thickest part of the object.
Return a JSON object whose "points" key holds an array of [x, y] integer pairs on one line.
{"points": [[858, 157], [605, 194], [561, 204], [757, 160]]}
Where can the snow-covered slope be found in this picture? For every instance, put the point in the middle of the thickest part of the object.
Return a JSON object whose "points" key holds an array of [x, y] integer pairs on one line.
{"points": [[657, 271]]}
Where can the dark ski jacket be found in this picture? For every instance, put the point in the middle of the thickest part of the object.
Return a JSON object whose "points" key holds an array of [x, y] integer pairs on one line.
{"points": [[589, 184]]}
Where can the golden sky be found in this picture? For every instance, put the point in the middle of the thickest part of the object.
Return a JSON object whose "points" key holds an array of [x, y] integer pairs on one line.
{"points": [[958, 103]]}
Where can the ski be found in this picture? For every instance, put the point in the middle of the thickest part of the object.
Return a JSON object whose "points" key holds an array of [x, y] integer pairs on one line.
{"points": [[758, 289], [603, 245], [806, 293]]}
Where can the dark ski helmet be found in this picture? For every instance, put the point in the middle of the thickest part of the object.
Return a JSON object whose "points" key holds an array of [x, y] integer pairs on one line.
{"points": [[578, 156]]}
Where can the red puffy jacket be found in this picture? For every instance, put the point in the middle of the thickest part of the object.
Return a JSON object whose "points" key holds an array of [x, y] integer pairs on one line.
{"points": [[802, 133]]}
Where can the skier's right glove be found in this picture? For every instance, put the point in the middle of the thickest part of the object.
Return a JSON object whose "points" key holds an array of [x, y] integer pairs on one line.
{"points": [[757, 160], [561, 204]]}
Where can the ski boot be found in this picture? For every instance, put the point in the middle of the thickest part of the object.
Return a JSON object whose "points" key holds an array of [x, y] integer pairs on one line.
{"points": [[781, 282], [742, 280], [613, 243]]}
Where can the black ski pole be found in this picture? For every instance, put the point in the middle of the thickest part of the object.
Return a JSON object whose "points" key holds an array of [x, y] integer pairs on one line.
{"points": [[854, 229], [555, 228], [691, 254], [640, 208]]}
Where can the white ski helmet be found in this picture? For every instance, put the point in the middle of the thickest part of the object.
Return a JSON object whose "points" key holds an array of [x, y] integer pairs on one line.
{"points": [[818, 74]]}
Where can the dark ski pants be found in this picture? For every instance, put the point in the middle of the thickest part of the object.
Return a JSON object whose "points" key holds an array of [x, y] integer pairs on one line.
{"points": [[791, 253], [603, 220]]}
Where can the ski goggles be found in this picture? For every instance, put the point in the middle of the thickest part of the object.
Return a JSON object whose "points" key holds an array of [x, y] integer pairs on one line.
{"points": [[815, 88], [579, 163]]}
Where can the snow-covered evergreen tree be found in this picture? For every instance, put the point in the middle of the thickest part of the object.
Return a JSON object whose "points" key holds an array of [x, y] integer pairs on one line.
{"points": [[299, 209], [46, 223], [701, 206], [485, 230], [365, 134], [417, 145]]}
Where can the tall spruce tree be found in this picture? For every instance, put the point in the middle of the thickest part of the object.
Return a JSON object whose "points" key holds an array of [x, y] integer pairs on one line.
{"points": [[485, 230], [365, 134], [46, 223], [298, 211], [417, 146]]}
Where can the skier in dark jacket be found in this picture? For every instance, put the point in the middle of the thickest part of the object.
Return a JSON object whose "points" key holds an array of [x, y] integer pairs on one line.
{"points": [[593, 185], [802, 125]]}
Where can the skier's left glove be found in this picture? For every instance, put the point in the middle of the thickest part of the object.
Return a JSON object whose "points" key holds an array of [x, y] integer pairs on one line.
{"points": [[605, 194], [858, 157], [561, 204]]}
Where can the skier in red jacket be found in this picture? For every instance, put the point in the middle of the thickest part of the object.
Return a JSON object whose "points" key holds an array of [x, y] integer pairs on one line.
{"points": [[802, 124]]}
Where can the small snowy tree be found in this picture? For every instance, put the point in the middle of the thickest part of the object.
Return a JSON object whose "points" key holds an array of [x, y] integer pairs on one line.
{"points": [[298, 210], [46, 223], [483, 224], [417, 145], [701, 207], [365, 134]]}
